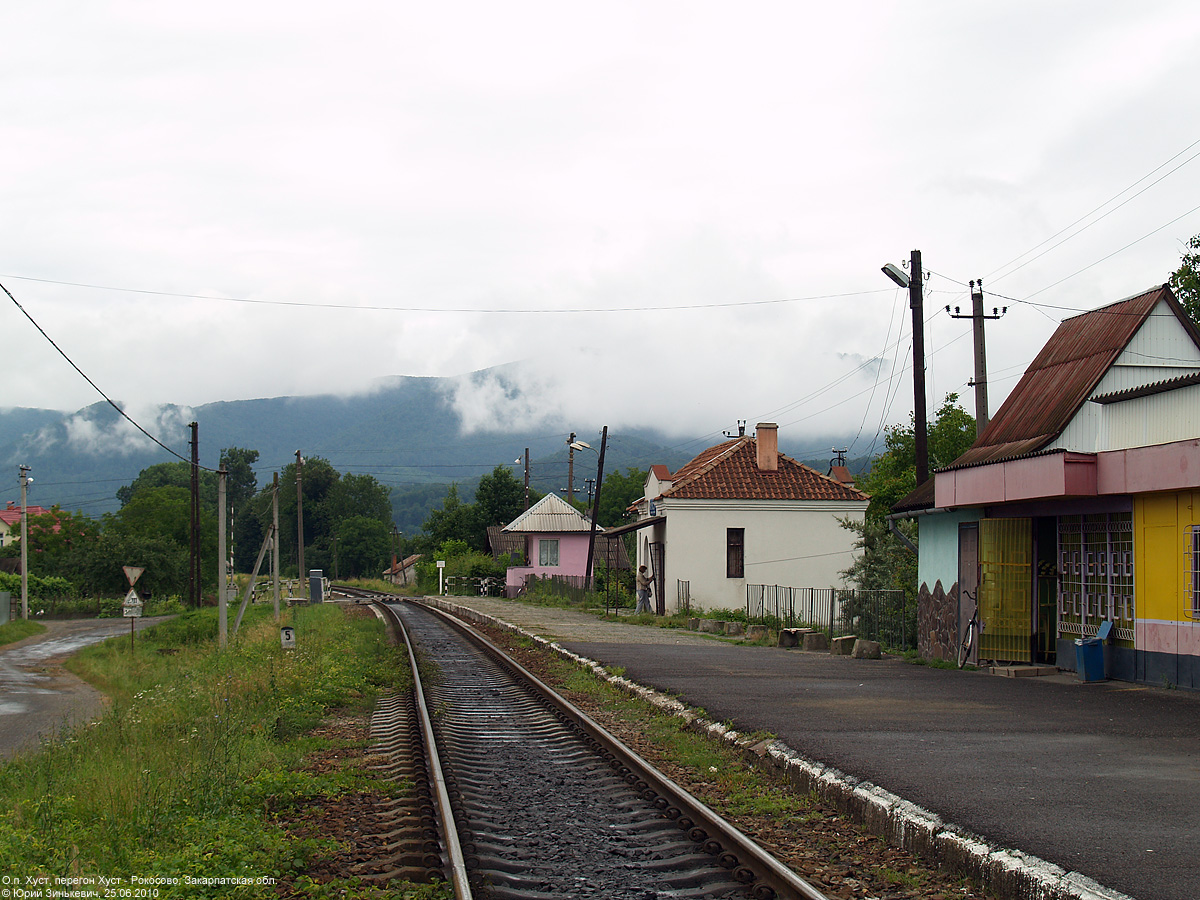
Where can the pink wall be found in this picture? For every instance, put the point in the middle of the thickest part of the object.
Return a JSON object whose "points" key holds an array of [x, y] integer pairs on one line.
{"points": [[1140, 470], [572, 558]]}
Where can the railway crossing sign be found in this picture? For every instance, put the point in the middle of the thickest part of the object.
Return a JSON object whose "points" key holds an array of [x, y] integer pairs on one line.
{"points": [[132, 605]]}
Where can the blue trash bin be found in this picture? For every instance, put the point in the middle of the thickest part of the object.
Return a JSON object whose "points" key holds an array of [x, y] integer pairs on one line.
{"points": [[1089, 659], [1089, 655]]}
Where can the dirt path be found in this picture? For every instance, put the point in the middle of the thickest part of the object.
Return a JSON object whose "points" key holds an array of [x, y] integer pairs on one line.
{"points": [[38, 697]]}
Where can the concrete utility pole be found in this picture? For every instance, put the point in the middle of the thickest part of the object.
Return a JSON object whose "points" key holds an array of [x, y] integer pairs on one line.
{"points": [[300, 525], [222, 571], [527, 478], [977, 318], [25, 480]]}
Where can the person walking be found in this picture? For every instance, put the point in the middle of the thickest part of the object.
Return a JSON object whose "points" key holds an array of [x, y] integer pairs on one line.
{"points": [[644, 585]]}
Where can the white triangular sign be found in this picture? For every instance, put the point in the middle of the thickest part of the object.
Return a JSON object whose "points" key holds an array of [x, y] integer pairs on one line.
{"points": [[133, 573]]}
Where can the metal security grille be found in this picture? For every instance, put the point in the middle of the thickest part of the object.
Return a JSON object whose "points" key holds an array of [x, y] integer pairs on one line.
{"points": [[1095, 565], [1191, 562], [1006, 589]]}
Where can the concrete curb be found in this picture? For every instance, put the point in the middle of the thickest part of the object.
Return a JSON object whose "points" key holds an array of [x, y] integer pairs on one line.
{"points": [[1010, 874]]}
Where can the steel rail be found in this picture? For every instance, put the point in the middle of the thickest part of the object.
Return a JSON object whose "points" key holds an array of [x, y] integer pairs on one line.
{"points": [[767, 870], [454, 852]]}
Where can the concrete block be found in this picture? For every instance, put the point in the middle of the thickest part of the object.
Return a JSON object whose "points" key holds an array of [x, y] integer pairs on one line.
{"points": [[788, 637], [866, 650], [756, 632], [815, 641], [694, 624], [734, 629], [712, 626], [842, 646]]}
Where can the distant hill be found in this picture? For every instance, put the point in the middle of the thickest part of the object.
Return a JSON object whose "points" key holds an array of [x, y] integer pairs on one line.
{"points": [[405, 433]]}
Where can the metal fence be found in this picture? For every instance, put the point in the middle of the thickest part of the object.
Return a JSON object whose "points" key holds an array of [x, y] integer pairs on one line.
{"points": [[884, 616], [683, 596]]}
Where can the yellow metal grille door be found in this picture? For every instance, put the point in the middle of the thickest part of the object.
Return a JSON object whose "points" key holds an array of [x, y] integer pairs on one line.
{"points": [[1006, 589]]}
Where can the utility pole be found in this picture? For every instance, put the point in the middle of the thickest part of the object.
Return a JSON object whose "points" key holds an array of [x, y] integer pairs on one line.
{"points": [[571, 469], [589, 579], [917, 304], [25, 479], [527, 478], [222, 572], [300, 524], [977, 318], [194, 571]]}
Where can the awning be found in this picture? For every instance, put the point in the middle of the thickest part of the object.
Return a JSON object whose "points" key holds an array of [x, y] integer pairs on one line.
{"points": [[633, 526]]}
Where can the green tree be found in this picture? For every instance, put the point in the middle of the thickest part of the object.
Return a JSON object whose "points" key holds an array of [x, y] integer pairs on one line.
{"points": [[364, 547], [240, 483], [452, 521], [617, 493], [1185, 281], [499, 499], [885, 562]]}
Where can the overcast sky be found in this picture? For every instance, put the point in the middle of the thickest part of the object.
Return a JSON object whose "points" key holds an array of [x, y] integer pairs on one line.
{"points": [[672, 214]]}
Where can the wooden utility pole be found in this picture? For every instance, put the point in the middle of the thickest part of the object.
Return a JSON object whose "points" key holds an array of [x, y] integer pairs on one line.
{"points": [[916, 303], [300, 524], [25, 479], [222, 574], [275, 541], [589, 579], [526, 478], [571, 469], [195, 572]]}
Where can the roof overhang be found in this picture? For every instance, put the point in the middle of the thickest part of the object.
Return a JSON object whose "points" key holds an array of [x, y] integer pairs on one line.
{"points": [[633, 526]]}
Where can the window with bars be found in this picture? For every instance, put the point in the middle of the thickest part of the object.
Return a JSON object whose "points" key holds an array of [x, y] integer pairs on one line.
{"points": [[1191, 556], [735, 552], [1095, 565]]}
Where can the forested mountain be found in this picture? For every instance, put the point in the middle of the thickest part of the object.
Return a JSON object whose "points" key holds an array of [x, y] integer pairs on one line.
{"points": [[406, 433]]}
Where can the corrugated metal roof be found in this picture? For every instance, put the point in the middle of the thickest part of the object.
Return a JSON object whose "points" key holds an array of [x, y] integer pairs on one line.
{"points": [[1062, 377], [551, 514]]}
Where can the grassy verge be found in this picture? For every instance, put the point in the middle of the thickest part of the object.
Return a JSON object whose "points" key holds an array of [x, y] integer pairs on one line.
{"points": [[19, 629], [182, 777]]}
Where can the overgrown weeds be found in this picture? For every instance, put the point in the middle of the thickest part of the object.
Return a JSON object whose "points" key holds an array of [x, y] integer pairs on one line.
{"points": [[199, 747]]}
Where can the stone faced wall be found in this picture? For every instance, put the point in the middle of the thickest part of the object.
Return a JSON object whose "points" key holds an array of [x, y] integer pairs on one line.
{"points": [[937, 621]]}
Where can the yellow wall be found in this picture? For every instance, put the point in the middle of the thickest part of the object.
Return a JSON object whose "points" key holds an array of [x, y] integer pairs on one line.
{"points": [[1159, 530]]}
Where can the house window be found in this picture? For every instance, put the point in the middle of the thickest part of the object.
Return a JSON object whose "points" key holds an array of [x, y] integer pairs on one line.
{"points": [[735, 552], [548, 553], [1191, 553]]}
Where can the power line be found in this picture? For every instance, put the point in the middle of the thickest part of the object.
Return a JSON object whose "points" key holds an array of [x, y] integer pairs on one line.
{"points": [[83, 374], [524, 311]]}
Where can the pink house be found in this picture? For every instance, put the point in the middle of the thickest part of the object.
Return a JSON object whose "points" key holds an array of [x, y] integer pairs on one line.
{"points": [[556, 542]]}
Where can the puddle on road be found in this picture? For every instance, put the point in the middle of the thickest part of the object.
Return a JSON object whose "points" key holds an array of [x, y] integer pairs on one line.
{"points": [[20, 667]]}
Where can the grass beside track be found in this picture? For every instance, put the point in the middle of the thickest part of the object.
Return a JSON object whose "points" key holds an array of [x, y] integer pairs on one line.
{"points": [[199, 750], [19, 629]]}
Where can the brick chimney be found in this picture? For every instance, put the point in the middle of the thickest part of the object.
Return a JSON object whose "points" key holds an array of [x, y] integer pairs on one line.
{"points": [[766, 438]]}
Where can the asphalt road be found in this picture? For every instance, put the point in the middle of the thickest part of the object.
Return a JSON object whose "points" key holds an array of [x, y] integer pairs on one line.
{"points": [[38, 697], [1100, 778]]}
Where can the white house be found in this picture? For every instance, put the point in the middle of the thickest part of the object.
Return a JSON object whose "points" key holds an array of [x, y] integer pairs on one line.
{"points": [[742, 514]]}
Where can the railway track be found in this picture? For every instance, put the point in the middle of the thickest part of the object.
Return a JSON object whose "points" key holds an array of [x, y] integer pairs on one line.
{"points": [[519, 795]]}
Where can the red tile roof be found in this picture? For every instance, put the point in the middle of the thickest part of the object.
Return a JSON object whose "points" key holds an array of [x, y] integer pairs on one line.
{"points": [[12, 515], [729, 471], [1063, 375]]}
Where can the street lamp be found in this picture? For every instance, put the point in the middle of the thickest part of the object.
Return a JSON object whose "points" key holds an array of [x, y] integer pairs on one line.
{"points": [[912, 281]]}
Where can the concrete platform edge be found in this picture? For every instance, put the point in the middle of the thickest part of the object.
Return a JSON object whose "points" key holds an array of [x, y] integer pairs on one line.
{"points": [[1009, 873]]}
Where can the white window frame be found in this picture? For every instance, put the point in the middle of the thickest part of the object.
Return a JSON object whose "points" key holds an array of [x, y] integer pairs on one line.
{"points": [[548, 553], [1191, 565]]}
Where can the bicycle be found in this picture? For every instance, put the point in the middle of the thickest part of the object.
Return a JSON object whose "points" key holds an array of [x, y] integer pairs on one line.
{"points": [[974, 625]]}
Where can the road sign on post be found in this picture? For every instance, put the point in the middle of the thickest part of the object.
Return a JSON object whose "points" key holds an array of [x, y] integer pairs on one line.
{"points": [[132, 610]]}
